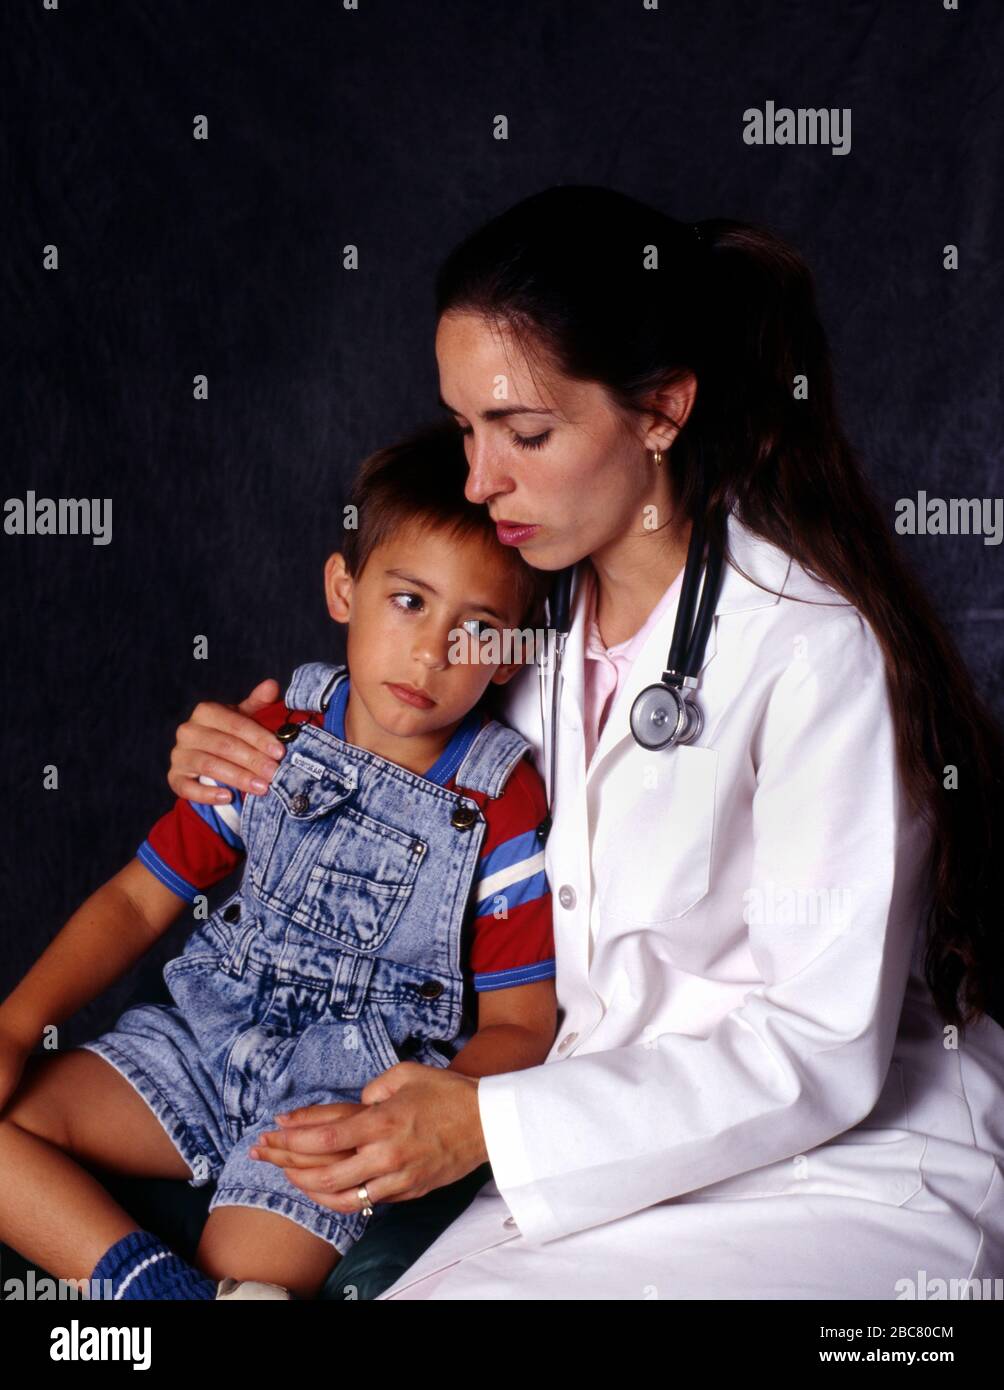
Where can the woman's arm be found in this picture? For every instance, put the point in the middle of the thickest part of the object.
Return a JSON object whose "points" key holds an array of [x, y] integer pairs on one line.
{"points": [[805, 1056], [225, 742], [103, 939]]}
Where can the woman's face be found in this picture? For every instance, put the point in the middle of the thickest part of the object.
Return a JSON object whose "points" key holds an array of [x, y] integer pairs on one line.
{"points": [[548, 452]]}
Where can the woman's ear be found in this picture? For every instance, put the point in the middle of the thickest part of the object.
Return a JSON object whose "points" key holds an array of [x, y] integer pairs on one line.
{"points": [[338, 587], [675, 402]]}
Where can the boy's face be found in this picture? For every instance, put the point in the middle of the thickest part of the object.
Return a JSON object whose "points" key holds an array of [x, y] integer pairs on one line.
{"points": [[404, 612]]}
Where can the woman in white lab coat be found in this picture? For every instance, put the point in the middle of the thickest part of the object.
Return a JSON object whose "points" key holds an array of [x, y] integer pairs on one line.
{"points": [[777, 947]]}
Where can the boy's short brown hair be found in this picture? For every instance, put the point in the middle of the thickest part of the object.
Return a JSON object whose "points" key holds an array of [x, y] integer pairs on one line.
{"points": [[421, 478]]}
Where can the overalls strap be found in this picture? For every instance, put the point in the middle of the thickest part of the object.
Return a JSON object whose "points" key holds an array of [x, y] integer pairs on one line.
{"points": [[313, 684], [491, 758]]}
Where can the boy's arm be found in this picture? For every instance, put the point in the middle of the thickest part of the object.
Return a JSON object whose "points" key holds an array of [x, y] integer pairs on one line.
{"points": [[103, 939], [516, 1028]]}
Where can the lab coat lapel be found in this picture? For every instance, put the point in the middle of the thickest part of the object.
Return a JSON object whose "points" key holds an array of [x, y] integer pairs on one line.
{"points": [[765, 563]]}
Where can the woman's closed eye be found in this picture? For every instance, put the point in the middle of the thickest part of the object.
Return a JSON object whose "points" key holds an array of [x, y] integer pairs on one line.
{"points": [[522, 441]]}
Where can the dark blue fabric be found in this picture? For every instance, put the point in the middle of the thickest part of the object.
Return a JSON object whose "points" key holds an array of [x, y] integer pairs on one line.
{"points": [[141, 1266], [397, 1237]]}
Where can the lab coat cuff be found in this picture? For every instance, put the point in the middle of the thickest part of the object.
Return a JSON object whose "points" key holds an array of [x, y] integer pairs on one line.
{"points": [[503, 1133]]}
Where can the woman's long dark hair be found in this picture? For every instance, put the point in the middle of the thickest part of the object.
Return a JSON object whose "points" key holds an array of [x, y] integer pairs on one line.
{"points": [[616, 292]]}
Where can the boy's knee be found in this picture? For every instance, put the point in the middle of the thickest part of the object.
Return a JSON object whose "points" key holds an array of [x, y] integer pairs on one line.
{"points": [[39, 1123], [33, 1109]]}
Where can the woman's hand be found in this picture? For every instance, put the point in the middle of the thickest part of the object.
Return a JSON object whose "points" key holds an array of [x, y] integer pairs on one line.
{"points": [[224, 742], [417, 1128]]}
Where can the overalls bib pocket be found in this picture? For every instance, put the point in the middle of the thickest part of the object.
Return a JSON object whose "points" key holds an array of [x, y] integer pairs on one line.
{"points": [[318, 859], [362, 880]]}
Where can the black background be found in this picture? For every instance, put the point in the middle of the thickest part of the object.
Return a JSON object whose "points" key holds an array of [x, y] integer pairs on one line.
{"points": [[375, 127]]}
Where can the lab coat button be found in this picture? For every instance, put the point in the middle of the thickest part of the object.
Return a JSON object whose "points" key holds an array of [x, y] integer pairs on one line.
{"points": [[567, 1041], [566, 895], [509, 1222]]}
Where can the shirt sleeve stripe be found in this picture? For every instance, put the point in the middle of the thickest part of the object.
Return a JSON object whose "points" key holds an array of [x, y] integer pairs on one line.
{"points": [[509, 852], [518, 975], [487, 884], [524, 891], [150, 859]]}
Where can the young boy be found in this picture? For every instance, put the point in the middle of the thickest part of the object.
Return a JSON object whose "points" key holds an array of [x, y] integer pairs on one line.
{"points": [[393, 888]]}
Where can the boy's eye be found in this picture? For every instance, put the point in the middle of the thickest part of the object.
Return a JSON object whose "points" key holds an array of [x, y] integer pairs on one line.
{"points": [[405, 605], [522, 441], [478, 627], [407, 602]]}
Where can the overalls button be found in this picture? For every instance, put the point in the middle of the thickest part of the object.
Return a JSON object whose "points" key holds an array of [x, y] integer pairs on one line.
{"points": [[463, 817], [430, 989], [287, 732], [232, 913], [299, 803]]}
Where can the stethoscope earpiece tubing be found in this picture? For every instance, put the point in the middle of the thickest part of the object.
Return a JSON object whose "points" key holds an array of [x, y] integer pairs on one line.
{"points": [[680, 648], [706, 613]]}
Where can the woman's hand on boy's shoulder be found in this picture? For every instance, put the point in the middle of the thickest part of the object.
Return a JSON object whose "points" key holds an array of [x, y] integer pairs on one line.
{"points": [[227, 743]]}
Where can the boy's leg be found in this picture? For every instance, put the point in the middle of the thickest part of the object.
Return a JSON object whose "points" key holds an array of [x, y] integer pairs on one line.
{"points": [[251, 1243], [68, 1107]]}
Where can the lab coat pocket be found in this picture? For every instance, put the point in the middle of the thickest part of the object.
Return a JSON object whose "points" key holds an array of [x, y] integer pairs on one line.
{"points": [[653, 863]]}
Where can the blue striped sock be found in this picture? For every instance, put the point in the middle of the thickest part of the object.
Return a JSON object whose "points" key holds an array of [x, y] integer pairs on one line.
{"points": [[141, 1266]]}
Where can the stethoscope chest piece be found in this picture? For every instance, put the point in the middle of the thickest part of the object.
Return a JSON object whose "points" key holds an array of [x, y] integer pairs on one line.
{"points": [[667, 714], [662, 717]]}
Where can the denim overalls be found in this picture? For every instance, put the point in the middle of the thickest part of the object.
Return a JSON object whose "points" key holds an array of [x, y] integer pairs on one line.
{"points": [[338, 957]]}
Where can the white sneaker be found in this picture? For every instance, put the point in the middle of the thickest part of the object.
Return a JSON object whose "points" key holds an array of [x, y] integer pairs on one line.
{"points": [[249, 1288]]}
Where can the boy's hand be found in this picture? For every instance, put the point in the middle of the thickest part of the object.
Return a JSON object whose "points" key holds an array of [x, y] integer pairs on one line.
{"points": [[224, 742], [417, 1128]]}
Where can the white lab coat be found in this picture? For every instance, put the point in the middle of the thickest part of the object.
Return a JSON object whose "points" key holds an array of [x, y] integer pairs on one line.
{"points": [[738, 1103]]}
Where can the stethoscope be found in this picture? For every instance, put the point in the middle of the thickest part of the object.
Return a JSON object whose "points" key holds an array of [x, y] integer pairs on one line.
{"points": [[664, 714]]}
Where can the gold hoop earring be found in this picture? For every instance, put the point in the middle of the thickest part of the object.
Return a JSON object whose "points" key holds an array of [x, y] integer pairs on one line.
{"points": [[657, 457]]}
